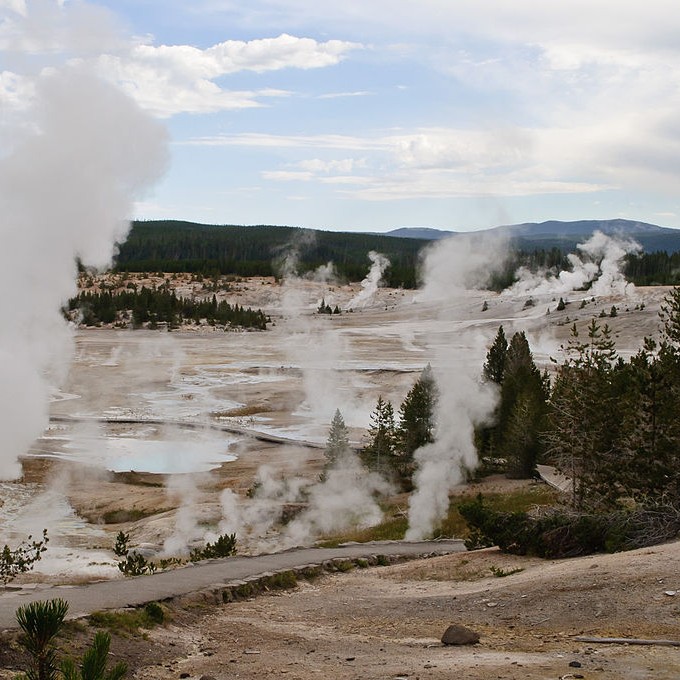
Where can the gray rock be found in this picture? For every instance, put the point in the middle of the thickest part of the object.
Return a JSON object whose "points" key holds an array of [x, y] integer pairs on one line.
{"points": [[459, 635]]}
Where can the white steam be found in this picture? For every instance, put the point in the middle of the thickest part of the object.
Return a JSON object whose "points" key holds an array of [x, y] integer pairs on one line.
{"points": [[82, 155], [600, 266], [463, 401], [369, 286], [459, 263], [346, 497]]}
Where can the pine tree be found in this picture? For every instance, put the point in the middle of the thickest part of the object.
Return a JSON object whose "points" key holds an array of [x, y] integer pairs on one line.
{"points": [[495, 358], [584, 418], [416, 421], [522, 409], [337, 443], [381, 446]]}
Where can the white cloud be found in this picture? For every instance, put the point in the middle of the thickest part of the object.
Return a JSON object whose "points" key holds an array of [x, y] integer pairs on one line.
{"points": [[17, 6], [165, 79], [171, 79], [318, 165], [258, 139], [341, 95]]}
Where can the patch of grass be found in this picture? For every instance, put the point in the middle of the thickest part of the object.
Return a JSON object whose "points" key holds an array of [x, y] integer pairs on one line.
{"points": [[520, 500], [499, 572], [392, 529], [282, 581], [344, 566], [310, 573], [128, 622], [124, 515]]}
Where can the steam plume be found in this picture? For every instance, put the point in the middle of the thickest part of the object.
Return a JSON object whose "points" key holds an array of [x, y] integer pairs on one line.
{"points": [[82, 154], [600, 264], [370, 284], [345, 498], [463, 401]]}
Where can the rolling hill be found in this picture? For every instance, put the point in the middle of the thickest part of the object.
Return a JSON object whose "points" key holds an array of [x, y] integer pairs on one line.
{"points": [[564, 235]]}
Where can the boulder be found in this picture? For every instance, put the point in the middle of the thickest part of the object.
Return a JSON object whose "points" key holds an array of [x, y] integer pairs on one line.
{"points": [[459, 635]]}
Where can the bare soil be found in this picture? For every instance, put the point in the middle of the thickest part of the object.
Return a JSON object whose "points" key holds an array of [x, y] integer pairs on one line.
{"points": [[386, 622]]}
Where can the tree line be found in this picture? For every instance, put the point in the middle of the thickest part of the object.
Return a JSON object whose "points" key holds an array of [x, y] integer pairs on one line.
{"points": [[173, 246], [176, 246], [152, 306]]}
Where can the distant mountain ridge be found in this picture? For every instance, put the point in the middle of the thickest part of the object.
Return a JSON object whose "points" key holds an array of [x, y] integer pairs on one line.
{"points": [[563, 235]]}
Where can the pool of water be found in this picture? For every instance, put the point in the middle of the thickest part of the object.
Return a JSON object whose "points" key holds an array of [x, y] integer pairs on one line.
{"points": [[157, 449]]}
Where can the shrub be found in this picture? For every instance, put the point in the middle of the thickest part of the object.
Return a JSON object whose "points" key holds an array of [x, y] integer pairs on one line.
{"points": [[154, 612], [22, 558], [562, 533], [224, 546], [136, 565]]}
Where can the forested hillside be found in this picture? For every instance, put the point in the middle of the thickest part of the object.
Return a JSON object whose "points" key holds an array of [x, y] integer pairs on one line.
{"points": [[174, 246], [171, 246]]}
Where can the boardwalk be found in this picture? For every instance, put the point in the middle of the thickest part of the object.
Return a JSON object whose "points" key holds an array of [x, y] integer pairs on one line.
{"points": [[194, 578]]}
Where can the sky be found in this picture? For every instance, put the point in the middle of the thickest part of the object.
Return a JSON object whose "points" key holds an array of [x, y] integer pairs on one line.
{"points": [[369, 115]]}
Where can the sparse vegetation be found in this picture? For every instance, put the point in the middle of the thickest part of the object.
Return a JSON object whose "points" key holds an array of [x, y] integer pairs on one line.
{"points": [[224, 546], [19, 560], [128, 622], [499, 572], [134, 564], [40, 623]]}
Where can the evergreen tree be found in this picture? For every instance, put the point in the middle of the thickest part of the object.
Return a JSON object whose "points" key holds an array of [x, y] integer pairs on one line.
{"points": [[522, 409], [337, 443], [381, 446], [416, 421], [494, 366], [585, 419]]}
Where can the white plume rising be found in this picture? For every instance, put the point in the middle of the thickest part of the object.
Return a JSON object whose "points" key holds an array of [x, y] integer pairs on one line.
{"points": [[370, 284], [66, 191], [600, 264], [463, 401]]}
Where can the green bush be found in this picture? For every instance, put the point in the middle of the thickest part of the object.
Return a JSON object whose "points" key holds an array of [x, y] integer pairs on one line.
{"points": [[154, 612], [22, 558], [561, 533], [224, 546]]}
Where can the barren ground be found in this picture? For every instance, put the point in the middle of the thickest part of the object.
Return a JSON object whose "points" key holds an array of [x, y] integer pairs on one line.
{"points": [[374, 623], [386, 622]]}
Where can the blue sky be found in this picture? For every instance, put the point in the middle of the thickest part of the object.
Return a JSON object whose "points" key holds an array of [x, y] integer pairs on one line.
{"points": [[374, 114]]}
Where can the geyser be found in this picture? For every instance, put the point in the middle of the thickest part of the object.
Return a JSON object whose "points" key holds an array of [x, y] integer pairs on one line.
{"points": [[463, 401], [82, 154]]}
